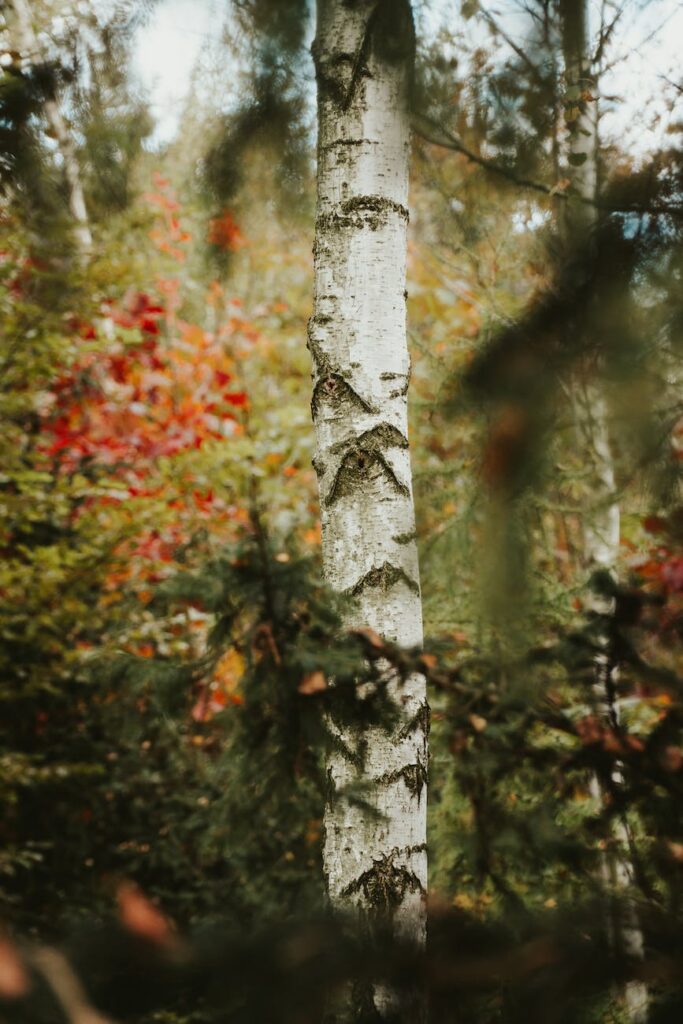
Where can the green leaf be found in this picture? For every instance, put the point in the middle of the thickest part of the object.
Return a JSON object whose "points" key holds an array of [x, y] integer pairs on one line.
{"points": [[577, 159]]}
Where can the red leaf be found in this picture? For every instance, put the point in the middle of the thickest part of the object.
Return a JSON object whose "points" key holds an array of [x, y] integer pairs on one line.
{"points": [[237, 398], [224, 233], [672, 574]]}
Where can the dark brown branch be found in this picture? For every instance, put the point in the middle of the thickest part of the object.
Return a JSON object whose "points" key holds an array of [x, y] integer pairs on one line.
{"points": [[435, 133], [606, 33], [513, 46]]}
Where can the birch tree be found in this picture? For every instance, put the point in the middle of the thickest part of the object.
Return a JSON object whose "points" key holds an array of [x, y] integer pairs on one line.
{"points": [[602, 525], [375, 857], [27, 44]]}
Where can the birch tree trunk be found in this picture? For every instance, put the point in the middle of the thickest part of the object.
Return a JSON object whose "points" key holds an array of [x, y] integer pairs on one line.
{"points": [[602, 526], [28, 45], [375, 860]]}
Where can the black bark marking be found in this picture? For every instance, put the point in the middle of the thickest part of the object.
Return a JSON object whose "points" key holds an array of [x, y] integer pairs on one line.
{"points": [[361, 211], [331, 387], [329, 73], [385, 884], [375, 204], [401, 391], [384, 435], [343, 143], [359, 64], [354, 757], [319, 320], [321, 364], [353, 472], [384, 577], [388, 35], [421, 720], [405, 538], [413, 775]]}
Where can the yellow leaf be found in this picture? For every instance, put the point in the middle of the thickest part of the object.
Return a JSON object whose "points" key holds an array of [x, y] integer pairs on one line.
{"points": [[229, 671]]}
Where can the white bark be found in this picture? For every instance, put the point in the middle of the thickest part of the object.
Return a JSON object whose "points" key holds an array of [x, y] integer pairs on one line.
{"points": [[28, 46], [377, 862], [602, 525]]}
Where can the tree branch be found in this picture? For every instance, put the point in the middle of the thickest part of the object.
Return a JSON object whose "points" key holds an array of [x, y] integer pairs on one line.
{"points": [[435, 133]]}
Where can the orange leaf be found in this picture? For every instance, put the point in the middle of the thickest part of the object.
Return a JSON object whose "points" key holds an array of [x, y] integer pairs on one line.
{"points": [[194, 335], [374, 639], [478, 723], [140, 916], [313, 536], [314, 682], [14, 981]]}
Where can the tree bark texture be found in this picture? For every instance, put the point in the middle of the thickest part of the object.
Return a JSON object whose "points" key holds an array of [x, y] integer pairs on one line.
{"points": [[375, 856], [602, 525], [28, 46]]}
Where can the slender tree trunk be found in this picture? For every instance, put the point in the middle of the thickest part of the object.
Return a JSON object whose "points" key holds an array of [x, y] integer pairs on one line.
{"points": [[375, 857], [602, 526], [28, 45]]}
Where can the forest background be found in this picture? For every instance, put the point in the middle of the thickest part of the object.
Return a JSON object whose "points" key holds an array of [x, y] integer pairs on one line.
{"points": [[166, 643]]}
